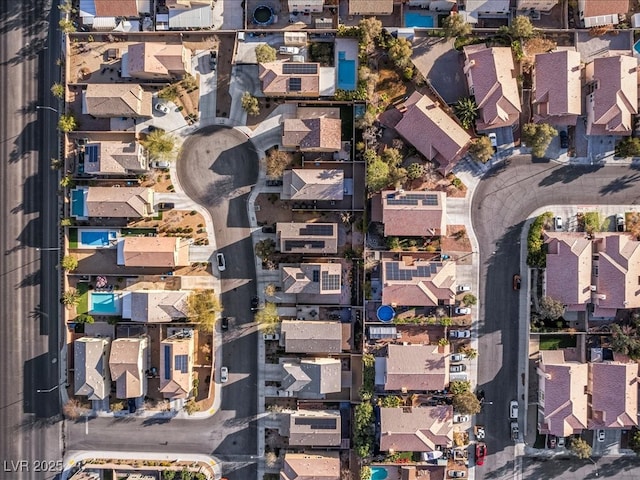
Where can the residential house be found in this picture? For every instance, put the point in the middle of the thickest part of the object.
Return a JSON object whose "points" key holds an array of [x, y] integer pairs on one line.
{"points": [[414, 368], [491, 77], [108, 100], [315, 428], [594, 13], [367, 7], [290, 79], [306, 6], [311, 378], [109, 202], [312, 184], [102, 15], [176, 366], [190, 14], [413, 213], [419, 429], [416, 282], [128, 364], [312, 337], [166, 252], [556, 88], [188, 3], [157, 61], [311, 466], [312, 134], [432, 131], [113, 154], [612, 98], [155, 306], [613, 395], [475, 10], [537, 5], [562, 387], [90, 373], [312, 278], [307, 238]]}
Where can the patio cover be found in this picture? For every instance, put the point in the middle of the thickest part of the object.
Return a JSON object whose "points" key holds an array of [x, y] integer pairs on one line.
{"points": [[104, 24], [201, 17]]}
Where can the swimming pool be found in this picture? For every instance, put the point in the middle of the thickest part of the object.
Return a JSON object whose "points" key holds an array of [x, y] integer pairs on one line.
{"points": [[77, 202], [636, 47], [379, 473], [346, 72], [96, 238], [105, 303], [418, 19]]}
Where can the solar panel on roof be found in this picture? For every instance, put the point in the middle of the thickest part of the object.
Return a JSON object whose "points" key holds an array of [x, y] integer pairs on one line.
{"points": [[295, 84], [394, 272], [303, 244], [316, 275], [317, 230], [182, 363], [91, 153], [300, 68], [413, 199], [330, 281], [317, 423]]}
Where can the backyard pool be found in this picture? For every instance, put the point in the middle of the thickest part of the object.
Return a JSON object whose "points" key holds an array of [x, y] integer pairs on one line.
{"points": [[636, 47], [346, 72], [77, 203], [418, 19], [105, 303], [378, 473], [96, 238]]}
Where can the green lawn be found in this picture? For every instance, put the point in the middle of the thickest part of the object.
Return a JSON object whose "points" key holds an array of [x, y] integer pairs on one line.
{"points": [[137, 231], [73, 238], [555, 342], [83, 305]]}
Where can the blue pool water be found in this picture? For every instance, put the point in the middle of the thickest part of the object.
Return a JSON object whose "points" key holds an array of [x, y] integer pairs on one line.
{"points": [[378, 473], [385, 313], [105, 303], [96, 238], [346, 73], [418, 19], [77, 203], [636, 47]]}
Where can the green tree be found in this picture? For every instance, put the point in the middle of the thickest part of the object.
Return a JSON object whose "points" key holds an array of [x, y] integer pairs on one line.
{"points": [[580, 448], [538, 136], [521, 27], [57, 89], [467, 111], [202, 309], [466, 403], [250, 104], [69, 263], [365, 473], [461, 386], [481, 149], [265, 248], [67, 123], [56, 164], [392, 401], [469, 299], [445, 322], [270, 290], [169, 93], [370, 31], [189, 82], [71, 297], [84, 318], [67, 181], [265, 53], [470, 352], [455, 26], [400, 52], [277, 162], [66, 222], [377, 174], [66, 26], [628, 147], [268, 317], [160, 145], [393, 243], [415, 171], [550, 308], [363, 415], [168, 475], [634, 442], [443, 342]]}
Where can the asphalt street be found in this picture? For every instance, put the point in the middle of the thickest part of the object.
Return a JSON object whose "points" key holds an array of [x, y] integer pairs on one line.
{"points": [[502, 201], [29, 397], [217, 168]]}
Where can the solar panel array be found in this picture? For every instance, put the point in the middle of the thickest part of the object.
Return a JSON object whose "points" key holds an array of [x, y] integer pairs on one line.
{"points": [[316, 275], [182, 363], [300, 68], [413, 199], [295, 84], [330, 281], [394, 272], [303, 244], [91, 153], [318, 423], [317, 230]]}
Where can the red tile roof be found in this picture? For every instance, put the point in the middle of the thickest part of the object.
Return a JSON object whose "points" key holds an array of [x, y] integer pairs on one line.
{"points": [[412, 289], [618, 272], [595, 8], [557, 87], [419, 219], [614, 395], [418, 429], [417, 367], [116, 8]]}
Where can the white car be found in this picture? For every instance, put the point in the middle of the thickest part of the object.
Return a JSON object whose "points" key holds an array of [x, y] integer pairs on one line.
{"points": [[457, 357], [513, 409], [460, 418], [600, 435], [464, 288], [494, 140], [558, 223], [222, 265], [163, 164], [289, 50], [271, 336], [561, 442], [460, 334], [162, 108], [224, 375], [462, 311]]}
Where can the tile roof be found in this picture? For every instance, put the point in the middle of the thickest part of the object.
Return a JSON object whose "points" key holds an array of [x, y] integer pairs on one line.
{"points": [[409, 288], [311, 336], [370, 7], [154, 306], [158, 60], [116, 100], [614, 395], [416, 367], [124, 202], [311, 466], [614, 100], [313, 184], [419, 429], [618, 272], [275, 82], [595, 8], [176, 367], [301, 237], [317, 428], [562, 390], [432, 131], [127, 363], [167, 252], [403, 217], [556, 87], [91, 375], [312, 377], [312, 278], [491, 76], [117, 157], [116, 8], [312, 134]]}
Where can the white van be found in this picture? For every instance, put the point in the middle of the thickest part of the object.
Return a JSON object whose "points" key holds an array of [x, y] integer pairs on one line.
{"points": [[289, 50]]}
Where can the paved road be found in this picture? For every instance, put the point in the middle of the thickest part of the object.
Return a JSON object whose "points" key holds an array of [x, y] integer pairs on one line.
{"points": [[217, 169], [501, 203], [31, 430]]}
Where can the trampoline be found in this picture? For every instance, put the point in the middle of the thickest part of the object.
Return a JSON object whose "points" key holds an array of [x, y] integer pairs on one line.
{"points": [[263, 15], [385, 313]]}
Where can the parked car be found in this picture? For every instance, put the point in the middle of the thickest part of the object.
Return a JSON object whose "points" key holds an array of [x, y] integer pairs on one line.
{"points": [[457, 357], [457, 368], [213, 58], [494, 140], [481, 452], [222, 264], [564, 139], [162, 108], [513, 409], [166, 206], [255, 301], [561, 442], [620, 226], [460, 334], [515, 431], [463, 310], [460, 418], [516, 282], [557, 221], [600, 435], [551, 440], [224, 323], [271, 336], [289, 50], [224, 375], [464, 288], [457, 474], [160, 164], [131, 404], [153, 128]]}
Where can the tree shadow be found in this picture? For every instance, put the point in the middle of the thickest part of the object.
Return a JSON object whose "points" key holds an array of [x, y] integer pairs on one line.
{"points": [[620, 184], [568, 174]]}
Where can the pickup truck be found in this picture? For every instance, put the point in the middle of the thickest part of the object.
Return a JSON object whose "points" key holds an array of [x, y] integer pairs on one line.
{"points": [[515, 432]]}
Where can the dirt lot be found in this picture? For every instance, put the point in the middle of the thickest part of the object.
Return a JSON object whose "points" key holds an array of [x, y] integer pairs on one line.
{"points": [[179, 223], [159, 180]]}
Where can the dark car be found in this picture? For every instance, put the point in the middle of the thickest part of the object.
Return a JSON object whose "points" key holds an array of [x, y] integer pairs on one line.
{"points": [[213, 58], [224, 323], [255, 301], [131, 403], [564, 139], [152, 128], [166, 206]]}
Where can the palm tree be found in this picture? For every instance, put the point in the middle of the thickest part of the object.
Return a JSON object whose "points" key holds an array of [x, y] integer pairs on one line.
{"points": [[71, 297], [467, 111]]}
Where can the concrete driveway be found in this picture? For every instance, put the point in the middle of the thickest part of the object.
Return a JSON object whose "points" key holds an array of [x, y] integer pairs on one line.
{"points": [[208, 89], [228, 15]]}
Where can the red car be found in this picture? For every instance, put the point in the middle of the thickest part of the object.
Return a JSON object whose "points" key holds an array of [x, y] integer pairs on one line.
{"points": [[481, 452]]}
